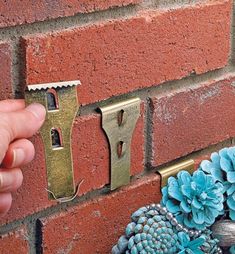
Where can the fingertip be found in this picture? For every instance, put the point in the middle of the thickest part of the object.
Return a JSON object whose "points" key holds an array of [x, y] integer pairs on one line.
{"points": [[10, 180], [19, 154], [5, 203]]}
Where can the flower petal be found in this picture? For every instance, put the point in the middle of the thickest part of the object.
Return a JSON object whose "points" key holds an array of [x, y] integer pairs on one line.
{"points": [[164, 195], [226, 164], [172, 206], [232, 214], [231, 203], [184, 177], [230, 188], [198, 216], [196, 204], [224, 153], [206, 166], [184, 239], [231, 154], [231, 176], [186, 191], [210, 215], [215, 158], [199, 177], [174, 192], [197, 243], [217, 174], [185, 207]]}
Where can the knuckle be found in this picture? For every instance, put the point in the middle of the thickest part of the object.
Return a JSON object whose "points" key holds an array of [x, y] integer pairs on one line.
{"points": [[6, 128], [1, 181]]}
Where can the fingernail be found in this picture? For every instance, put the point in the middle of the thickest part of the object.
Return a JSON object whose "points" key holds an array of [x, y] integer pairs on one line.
{"points": [[18, 156], [38, 110]]}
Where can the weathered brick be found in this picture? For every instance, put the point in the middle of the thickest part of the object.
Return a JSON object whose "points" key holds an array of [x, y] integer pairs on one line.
{"points": [[91, 164], [5, 72], [120, 56], [94, 226], [14, 242], [192, 119], [12, 13]]}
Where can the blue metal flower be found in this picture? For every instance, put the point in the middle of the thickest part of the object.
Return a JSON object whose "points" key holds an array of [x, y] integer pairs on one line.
{"points": [[195, 200], [187, 246], [222, 169]]}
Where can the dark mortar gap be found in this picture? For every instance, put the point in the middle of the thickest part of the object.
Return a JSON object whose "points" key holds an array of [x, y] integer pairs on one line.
{"points": [[195, 154], [38, 237], [148, 134]]}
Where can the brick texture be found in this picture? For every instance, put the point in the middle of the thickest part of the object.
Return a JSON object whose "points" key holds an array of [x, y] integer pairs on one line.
{"points": [[6, 90], [12, 13], [121, 56], [14, 242], [94, 226], [192, 119], [91, 164]]}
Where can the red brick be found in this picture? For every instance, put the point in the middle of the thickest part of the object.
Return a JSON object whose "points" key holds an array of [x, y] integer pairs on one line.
{"points": [[5, 72], [12, 13], [120, 56], [14, 242], [91, 164], [94, 226], [192, 119]]}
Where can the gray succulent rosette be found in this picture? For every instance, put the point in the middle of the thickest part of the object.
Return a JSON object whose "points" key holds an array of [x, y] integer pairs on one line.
{"points": [[190, 205]]}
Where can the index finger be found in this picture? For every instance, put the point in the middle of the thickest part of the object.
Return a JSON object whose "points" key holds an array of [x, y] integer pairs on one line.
{"points": [[20, 124], [11, 105]]}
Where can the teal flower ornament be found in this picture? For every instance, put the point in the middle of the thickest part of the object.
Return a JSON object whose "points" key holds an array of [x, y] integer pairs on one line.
{"points": [[155, 230], [149, 232], [211, 244], [222, 169], [195, 200], [187, 246]]}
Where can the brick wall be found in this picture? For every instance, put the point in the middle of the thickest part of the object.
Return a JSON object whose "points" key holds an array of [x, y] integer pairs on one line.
{"points": [[177, 56]]}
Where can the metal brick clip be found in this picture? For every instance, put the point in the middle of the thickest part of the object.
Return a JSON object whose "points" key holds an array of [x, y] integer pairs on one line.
{"points": [[118, 121], [174, 170], [60, 100]]}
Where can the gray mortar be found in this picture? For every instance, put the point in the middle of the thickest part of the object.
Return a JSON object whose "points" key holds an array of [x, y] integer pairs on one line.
{"points": [[170, 4], [194, 155], [232, 38], [148, 126]]}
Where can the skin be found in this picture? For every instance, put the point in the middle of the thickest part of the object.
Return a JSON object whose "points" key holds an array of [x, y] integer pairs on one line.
{"points": [[17, 123]]}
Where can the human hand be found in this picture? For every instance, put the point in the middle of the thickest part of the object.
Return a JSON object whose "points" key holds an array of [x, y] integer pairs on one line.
{"points": [[17, 123]]}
